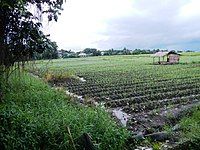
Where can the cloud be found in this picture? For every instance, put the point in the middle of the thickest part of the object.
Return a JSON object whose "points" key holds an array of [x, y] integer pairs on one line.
{"points": [[133, 24], [159, 25]]}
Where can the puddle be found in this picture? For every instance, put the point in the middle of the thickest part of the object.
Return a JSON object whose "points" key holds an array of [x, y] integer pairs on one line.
{"points": [[69, 93], [81, 79], [122, 116], [74, 95], [144, 148], [100, 104]]}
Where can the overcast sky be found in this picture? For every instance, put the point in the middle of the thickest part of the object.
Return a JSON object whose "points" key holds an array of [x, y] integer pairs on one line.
{"points": [[148, 24]]}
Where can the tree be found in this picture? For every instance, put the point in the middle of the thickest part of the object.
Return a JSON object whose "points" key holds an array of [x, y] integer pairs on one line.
{"points": [[92, 51], [89, 50], [20, 31], [50, 52]]}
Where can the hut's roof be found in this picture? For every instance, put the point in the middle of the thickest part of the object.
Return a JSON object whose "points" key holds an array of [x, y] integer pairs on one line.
{"points": [[161, 54]]}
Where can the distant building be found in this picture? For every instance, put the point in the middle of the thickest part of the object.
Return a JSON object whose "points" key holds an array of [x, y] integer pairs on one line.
{"points": [[60, 54], [166, 57], [82, 55], [102, 53]]}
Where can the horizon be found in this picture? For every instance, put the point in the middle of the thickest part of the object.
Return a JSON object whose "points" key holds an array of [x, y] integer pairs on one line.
{"points": [[160, 50]]}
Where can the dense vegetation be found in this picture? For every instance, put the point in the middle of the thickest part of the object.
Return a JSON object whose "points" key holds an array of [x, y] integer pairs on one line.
{"points": [[190, 134], [35, 116], [95, 52], [20, 32]]}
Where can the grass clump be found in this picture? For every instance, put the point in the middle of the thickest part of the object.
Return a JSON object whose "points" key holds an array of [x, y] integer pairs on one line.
{"points": [[35, 116], [190, 133]]}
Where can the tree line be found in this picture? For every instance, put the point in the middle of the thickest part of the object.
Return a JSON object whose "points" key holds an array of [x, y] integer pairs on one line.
{"points": [[94, 52]]}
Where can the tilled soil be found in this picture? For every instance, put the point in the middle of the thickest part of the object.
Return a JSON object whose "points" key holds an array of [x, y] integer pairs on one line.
{"points": [[146, 116]]}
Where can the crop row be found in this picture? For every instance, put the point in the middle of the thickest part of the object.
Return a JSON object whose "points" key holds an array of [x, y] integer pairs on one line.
{"points": [[147, 73], [125, 81], [152, 105], [136, 87], [116, 94], [125, 93], [158, 96]]}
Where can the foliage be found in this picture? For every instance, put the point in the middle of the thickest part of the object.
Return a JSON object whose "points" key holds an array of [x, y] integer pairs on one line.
{"points": [[20, 30], [67, 54], [92, 51], [156, 146], [126, 51], [190, 126], [50, 51], [35, 116]]}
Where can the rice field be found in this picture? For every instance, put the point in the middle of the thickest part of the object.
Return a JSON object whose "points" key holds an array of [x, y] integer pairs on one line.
{"points": [[139, 95]]}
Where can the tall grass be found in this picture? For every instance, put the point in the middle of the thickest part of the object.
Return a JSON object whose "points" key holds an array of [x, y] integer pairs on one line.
{"points": [[191, 130], [35, 116]]}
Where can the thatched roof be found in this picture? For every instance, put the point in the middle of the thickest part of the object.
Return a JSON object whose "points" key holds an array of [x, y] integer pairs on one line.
{"points": [[161, 54]]}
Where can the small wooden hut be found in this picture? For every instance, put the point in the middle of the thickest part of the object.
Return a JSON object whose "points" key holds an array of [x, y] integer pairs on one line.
{"points": [[166, 57]]}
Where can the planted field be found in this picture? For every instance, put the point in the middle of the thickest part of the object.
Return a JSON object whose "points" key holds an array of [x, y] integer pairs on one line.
{"points": [[143, 96]]}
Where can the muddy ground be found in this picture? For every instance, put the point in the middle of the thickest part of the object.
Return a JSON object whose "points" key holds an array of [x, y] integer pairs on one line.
{"points": [[158, 123]]}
